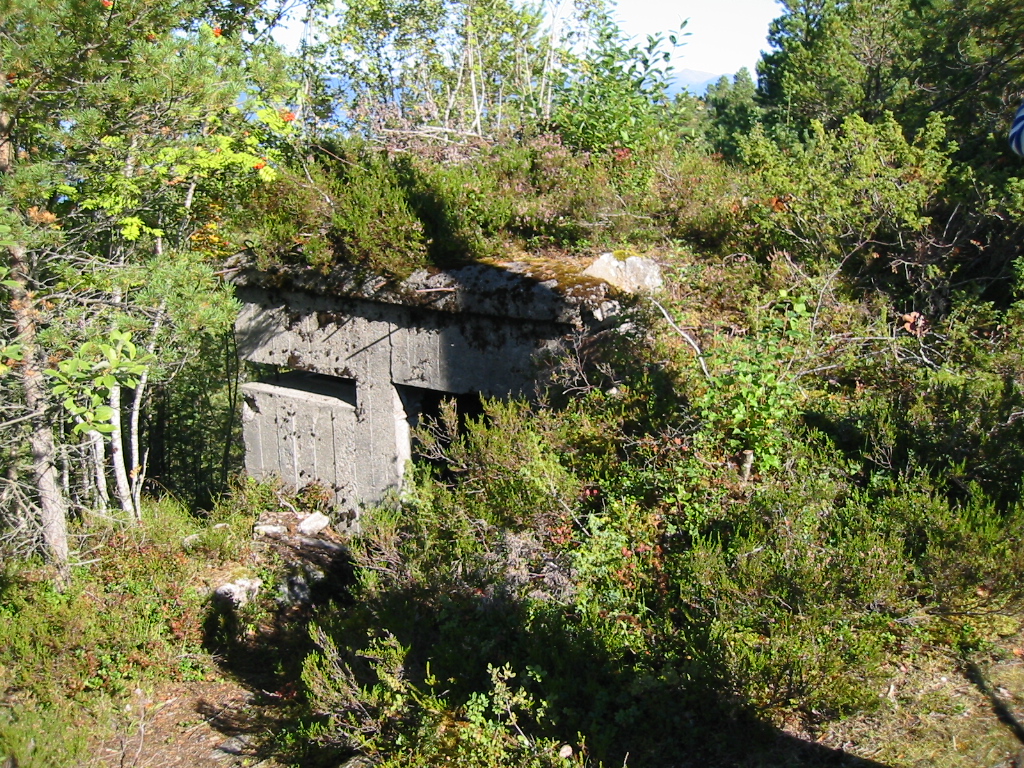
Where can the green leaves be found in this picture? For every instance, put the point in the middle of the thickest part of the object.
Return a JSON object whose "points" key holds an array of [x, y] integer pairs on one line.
{"points": [[833, 59], [753, 393], [842, 190], [84, 382], [132, 227], [6, 239], [12, 353], [616, 98]]}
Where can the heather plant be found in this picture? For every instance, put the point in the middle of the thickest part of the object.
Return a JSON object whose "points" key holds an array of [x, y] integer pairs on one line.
{"points": [[20, 730], [855, 191], [389, 710], [350, 209], [130, 620], [702, 200], [370, 211], [465, 207]]}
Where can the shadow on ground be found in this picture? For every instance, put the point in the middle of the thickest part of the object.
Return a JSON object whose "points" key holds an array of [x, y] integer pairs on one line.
{"points": [[668, 711]]}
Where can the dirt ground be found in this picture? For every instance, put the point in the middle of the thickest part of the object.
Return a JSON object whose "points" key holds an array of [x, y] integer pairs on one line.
{"points": [[218, 724]]}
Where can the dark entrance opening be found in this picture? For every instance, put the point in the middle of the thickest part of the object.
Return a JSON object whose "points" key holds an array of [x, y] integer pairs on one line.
{"points": [[425, 407]]}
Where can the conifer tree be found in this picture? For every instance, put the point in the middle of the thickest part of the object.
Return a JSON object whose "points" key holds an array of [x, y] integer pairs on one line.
{"points": [[120, 121]]}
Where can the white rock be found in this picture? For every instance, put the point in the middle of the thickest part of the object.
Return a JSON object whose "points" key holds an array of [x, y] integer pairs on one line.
{"points": [[270, 530], [314, 524], [634, 275]]}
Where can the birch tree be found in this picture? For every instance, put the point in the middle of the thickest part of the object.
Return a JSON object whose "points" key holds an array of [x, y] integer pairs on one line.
{"points": [[450, 68], [122, 122]]}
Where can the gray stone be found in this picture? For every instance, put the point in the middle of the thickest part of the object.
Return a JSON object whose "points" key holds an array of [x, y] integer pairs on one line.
{"points": [[191, 540], [270, 530], [295, 591], [313, 524], [634, 274], [297, 588], [359, 761], [237, 593], [322, 544], [235, 745]]}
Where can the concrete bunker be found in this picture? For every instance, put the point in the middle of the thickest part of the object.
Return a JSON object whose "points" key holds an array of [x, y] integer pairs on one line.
{"points": [[356, 361]]}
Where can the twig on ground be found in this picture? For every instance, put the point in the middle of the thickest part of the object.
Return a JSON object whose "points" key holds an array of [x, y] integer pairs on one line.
{"points": [[686, 336]]}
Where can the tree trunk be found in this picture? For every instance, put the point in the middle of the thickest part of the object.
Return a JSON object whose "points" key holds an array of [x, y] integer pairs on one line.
{"points": [[137, 461], [122, 487], [118, 455], [6, 144], [52, 504], [99, 470]]}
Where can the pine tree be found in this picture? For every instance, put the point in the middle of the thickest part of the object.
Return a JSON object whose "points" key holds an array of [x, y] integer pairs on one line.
{"points": [[120, 121]]}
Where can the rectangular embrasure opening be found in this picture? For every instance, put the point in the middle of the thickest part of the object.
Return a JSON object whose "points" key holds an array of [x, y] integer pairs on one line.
{"points": [[315, 384]]}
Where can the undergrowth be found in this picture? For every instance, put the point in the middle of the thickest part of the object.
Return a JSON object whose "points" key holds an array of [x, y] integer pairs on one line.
{"points": [[356, 206], [133, 618], [648, 556]]}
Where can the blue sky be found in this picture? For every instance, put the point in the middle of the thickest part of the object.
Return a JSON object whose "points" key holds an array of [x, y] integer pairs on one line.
{"points": [[725, 35]]}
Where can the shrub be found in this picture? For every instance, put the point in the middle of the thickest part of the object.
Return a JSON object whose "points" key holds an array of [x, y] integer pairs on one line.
{"points": [[33, 737], [390, 718], [350, 208], [372, 222], [703, 200], [839, 193], [752, 395], [130, 619]]}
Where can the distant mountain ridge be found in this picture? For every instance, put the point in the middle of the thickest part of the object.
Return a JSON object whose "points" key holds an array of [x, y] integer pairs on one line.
{"points": [[692, 80]]}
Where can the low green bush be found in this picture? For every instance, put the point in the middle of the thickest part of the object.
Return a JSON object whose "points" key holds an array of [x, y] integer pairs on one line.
{"points": [[132, 618], [391, 214], [351, 208]]}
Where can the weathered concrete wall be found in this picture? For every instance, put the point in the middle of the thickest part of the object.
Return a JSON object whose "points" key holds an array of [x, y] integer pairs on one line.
{"points": [[371, 342], [302, 428], [475, 330]]}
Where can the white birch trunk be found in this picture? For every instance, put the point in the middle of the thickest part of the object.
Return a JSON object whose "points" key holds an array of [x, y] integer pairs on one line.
{"points": [[138, 463], [118, 458], [99, 470]]}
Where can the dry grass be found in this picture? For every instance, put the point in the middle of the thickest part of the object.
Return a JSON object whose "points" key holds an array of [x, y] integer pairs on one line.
{"points": [[944, 712]]}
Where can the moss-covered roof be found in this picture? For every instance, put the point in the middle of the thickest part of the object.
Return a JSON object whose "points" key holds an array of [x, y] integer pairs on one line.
{"points": [[531, 287]]}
